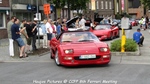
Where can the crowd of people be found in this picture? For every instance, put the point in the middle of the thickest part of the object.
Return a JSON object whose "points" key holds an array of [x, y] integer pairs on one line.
{"points": [[144, 22], [25, 33]]}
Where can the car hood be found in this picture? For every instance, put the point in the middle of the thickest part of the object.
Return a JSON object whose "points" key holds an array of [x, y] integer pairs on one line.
{"points": [[69, 22], [91, 47]]}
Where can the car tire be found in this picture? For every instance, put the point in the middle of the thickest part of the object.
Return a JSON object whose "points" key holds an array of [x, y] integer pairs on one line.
{"points": [[56, 58], [130, 27]]}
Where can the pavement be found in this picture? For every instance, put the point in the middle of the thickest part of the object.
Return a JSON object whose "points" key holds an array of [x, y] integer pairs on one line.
{"points": [[144, 58]]}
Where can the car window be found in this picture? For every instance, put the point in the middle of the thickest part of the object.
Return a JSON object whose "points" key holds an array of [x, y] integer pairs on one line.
{"points": [[79, 37], [102, 27]]}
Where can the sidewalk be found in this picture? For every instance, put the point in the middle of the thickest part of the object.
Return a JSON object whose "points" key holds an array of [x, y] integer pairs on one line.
{"points": [[144, 58], [4, 54]]}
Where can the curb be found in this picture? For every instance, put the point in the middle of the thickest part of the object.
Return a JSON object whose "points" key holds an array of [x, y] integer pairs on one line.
{"points": [[137, 53]]}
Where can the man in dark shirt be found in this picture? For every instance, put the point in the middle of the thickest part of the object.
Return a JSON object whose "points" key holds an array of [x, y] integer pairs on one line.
{"points": [[34, 32], [30, 34], [16, 37]]}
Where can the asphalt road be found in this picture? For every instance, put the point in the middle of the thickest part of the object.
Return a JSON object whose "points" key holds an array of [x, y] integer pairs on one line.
{"points": [[42, 70], [49, 73]]}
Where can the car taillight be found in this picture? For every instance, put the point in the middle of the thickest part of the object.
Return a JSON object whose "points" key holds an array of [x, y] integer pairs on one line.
{"points": [[68, 51]]}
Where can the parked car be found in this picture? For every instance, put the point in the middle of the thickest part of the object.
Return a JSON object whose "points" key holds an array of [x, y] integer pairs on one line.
{"points": [[133, 22], [105, 30], [130, 26], [79, 48]]}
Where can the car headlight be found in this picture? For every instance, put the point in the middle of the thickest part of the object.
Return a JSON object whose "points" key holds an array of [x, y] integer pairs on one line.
{"points": [[103, 49], [68, 51]]}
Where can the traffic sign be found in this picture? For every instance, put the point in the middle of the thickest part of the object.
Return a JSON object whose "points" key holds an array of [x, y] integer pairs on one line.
{"points": [[125, 23], [46, 8]]}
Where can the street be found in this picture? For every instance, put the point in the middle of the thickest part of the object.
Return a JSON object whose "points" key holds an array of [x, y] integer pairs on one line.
{"points": [[43, 70], [49, 73]]}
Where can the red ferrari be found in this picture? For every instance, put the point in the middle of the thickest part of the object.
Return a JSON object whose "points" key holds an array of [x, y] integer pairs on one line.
{"points": [[79, 48], [104, 32]]}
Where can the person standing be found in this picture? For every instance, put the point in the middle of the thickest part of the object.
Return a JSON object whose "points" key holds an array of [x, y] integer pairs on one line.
{"points": [[49, 30], [24, 35], [82, 22], [58, 26], [43, 26], [28, 26], [9, 24], [16, 37], [34, 31], [53, 26]]}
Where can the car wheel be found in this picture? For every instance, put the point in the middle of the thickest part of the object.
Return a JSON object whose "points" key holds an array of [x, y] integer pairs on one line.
{"points": [[57, 59], [130, 27]]}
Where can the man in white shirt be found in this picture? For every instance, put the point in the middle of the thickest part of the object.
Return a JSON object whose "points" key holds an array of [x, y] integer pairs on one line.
{"points": [[82, 23], [49, 29]]}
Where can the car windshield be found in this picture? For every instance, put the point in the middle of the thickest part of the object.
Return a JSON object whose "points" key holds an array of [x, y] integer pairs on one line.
{"points": [[102, 27], [79, 37]]}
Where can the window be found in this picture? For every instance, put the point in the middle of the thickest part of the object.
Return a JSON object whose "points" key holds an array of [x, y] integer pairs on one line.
{"points": [[0, 1], [110, 7], [106, 6], [89, 5], [2, 20], [97, 4], [102, 5]]}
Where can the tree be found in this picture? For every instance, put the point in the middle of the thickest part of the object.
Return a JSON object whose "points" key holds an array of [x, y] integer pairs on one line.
{"points": [[71, 4], [146, 4], [74, 4]]}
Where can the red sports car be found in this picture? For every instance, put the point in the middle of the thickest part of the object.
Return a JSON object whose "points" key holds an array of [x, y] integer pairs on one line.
{"points": [[79, 48], [104, 32]]}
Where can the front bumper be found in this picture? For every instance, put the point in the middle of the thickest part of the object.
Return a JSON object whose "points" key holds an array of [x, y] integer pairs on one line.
{"points": [[76, 61]]}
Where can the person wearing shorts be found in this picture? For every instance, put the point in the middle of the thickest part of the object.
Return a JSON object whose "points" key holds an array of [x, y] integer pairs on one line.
{"points": [[49, 30], [16, 37], [28, 26]]}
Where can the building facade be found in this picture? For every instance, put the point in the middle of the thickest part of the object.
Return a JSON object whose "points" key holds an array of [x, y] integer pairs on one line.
{"points": [[104, 8], [4, 16], [20, 9], [135, 9]]}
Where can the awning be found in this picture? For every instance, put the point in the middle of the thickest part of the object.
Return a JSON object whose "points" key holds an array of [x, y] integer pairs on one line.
{"points": [[4, 8]]}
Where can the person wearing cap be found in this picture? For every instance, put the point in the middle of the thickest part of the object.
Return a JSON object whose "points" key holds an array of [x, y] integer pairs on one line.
{"points": [[138, 37]]}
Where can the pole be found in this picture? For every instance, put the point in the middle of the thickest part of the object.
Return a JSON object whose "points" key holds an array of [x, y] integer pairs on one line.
{"points": [[37, 4]]}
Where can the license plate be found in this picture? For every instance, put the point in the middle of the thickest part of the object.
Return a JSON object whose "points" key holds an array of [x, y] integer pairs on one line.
{"points": [[87, 56]]}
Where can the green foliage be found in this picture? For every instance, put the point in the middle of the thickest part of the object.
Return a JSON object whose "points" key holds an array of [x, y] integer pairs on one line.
{"points": [[115, 45], [146, 3], [119, 16], [130, 46], [73, 4]]}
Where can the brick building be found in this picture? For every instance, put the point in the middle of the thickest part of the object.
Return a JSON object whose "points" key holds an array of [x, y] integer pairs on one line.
{"points": [[4, 16], [103, 7]]}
